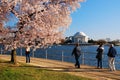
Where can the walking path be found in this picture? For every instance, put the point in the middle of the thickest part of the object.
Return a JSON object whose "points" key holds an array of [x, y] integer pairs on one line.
{"points": [[84, 71]]}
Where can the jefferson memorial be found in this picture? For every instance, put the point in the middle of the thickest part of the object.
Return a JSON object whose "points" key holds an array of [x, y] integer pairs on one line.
{"points": [[80, 37]]}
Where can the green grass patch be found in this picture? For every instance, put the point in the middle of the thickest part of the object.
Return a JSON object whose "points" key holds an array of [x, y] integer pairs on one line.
{"points": [[8, 71]]}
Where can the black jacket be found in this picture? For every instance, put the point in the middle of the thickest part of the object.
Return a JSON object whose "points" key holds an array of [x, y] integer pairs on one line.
{"points": [[99, 53]]}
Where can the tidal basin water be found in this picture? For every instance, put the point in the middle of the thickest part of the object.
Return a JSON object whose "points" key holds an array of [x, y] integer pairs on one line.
{"points": [[63, 53]]}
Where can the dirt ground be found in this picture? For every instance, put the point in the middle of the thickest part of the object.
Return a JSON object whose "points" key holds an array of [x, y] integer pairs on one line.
{"points": [[84, 71]]}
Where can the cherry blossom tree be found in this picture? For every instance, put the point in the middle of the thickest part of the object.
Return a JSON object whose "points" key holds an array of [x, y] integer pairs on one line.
{"points": [[3, 14], [40, 22]]}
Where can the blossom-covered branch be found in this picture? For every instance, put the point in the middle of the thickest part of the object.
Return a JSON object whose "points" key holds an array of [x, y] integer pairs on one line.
{"points": [[40, 22]]}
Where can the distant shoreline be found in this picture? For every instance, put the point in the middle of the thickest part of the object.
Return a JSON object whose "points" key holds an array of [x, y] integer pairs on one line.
{"points": [[88, 44], [79, 44]]}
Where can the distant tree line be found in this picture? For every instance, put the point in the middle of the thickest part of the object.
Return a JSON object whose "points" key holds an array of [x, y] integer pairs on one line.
{"points": [[102, 41], [68, 40]]}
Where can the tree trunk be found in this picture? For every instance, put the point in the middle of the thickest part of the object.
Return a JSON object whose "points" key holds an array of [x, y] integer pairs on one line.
{"points": [[13, 56]]}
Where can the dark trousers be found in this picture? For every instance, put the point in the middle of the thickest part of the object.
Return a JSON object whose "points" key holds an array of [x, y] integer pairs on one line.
{"points": [[77, 64], [27, 58], [99, 63]]}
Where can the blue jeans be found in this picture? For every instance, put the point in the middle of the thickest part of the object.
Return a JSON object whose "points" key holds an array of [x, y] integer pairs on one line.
{"points": [[99, 63], [77, 62], [27, 57]]}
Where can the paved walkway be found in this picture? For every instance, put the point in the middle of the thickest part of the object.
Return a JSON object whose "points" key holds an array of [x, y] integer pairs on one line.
{"points": [[84, 71]]}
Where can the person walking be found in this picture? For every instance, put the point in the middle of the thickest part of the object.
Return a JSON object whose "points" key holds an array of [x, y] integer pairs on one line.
{"points": [[99, 56], [77, 52], [27, 54], [111, 57]]}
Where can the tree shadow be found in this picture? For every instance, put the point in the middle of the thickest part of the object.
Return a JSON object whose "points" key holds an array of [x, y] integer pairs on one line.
{"points": [[67, 69], [3, 61]]}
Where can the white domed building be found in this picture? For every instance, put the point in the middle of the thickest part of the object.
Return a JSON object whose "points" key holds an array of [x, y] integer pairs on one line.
{"points": [[80, 37]]}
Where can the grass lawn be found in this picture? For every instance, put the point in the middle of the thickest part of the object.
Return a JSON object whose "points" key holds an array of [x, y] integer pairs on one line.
{"points": [[8, 71]]}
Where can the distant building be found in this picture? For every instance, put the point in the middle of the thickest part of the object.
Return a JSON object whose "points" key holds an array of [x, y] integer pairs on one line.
{"points": [[108, 39], [80, 37]]}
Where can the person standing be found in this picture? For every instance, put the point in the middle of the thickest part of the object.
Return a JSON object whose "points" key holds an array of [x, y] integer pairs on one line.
{"points": [[27, 54], [77, 52], [111, 57], [99, 56]]}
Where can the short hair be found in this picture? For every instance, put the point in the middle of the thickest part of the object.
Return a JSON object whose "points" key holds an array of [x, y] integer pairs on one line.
{"points": [[100, 45], [112, 45], [77, 44]]}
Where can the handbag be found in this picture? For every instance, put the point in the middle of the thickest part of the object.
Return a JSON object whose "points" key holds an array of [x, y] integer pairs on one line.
{"points": [[97, 56]]}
